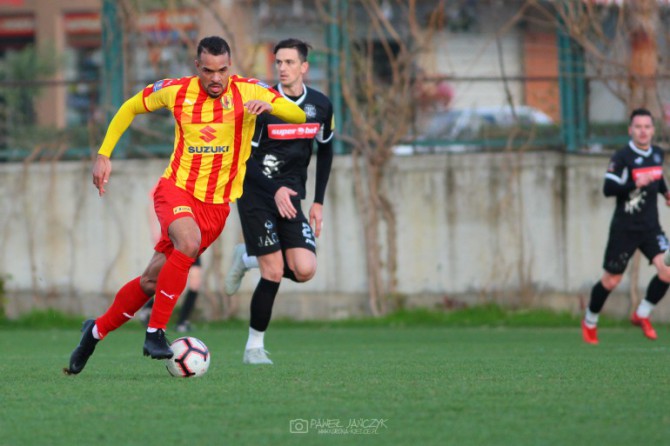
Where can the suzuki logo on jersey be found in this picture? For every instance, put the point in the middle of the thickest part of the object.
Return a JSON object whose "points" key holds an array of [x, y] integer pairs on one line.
{"points": [[656, 172], [208, 149], [293, 131], [208, 134]]}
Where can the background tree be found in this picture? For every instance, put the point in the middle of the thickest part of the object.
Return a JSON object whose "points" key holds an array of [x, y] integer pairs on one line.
{"points": [[621, 42], [382, 46]]}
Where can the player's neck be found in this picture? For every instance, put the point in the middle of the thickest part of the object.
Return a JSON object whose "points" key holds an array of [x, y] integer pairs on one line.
{"points": [[293, 90], [642, 147]]}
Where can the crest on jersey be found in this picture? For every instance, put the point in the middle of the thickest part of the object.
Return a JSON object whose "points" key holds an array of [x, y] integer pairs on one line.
{"points": [[226, 102], [310, 111], [657, 158], [271, 165]]}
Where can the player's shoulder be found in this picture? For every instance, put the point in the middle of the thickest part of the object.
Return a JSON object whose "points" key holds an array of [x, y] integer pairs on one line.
{"points": [[171, 82], [251, 81], [315, 95], [657, 149]]}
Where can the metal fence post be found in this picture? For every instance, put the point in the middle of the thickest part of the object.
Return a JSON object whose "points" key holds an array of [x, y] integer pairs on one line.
{"points": [[572, 84], [334, 81], [113, 66]]}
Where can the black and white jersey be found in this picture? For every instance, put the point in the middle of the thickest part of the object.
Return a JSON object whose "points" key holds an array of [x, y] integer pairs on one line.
{"points": [[636, 208], [283, 151]]}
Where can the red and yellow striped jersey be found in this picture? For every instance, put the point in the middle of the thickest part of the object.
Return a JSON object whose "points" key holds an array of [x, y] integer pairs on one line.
{"points": [[212, 135]]}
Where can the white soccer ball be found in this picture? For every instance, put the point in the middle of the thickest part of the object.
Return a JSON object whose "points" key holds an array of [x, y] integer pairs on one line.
{"points": [[191, 358]]}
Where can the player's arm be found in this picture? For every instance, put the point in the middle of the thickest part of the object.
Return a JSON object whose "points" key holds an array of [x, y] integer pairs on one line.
{"points": [[287, 111], [120, 123], [663, 186], [618, 179], [324, 162]]}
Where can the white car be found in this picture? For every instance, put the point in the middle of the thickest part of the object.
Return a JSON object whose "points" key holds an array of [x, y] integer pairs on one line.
{"points": [[455, 127]]}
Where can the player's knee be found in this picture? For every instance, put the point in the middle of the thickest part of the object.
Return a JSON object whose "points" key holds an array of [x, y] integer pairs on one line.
{"points": [[273, 274], [664, 274], [189, 247], [303, 273], [610, 281], [148, 285]]}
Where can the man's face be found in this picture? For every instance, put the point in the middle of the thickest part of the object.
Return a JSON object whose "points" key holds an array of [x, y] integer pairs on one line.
{"points": [[289, 67], [641, 131], [213, 72]]}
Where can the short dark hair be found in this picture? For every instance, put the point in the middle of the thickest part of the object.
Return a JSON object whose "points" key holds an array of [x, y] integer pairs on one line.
{"points": [[213, 45], [640, 112], [297, 44]]}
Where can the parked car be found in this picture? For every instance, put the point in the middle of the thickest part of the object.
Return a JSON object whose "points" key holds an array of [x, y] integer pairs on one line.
{"points": [[458, 130]]}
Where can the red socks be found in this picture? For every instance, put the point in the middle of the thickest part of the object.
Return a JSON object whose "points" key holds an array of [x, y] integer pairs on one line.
{"points": [[129, 299], [169, 286]]}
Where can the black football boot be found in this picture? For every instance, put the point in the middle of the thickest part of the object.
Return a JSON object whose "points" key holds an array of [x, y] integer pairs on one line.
{"points": [[84, 350], [157, 346]]}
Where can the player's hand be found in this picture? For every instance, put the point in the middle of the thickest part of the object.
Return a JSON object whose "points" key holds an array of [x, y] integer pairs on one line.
{"points": [[643, 180], [283, 202], [316, 218], [101, 171], [256, 107]]}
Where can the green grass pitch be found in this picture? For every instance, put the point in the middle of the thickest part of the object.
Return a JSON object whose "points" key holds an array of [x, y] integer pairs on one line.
{"points": [[386, 385]]}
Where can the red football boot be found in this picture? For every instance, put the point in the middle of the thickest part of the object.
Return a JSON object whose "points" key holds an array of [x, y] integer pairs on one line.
{"points": [[645, 324], [590, 335]]}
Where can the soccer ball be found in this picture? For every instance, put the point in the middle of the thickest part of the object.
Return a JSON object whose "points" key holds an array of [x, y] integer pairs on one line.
{"points": [[190, 359]]}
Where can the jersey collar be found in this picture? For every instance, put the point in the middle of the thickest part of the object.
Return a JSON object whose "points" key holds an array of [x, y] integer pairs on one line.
{"points": [[634, 148], [299, 100]]}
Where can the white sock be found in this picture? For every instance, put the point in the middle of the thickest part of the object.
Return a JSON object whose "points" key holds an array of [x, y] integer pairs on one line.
{"points": [[591, 319], [249, 261], [255, 339], [644, 309], [151, 330], [96, 333]]}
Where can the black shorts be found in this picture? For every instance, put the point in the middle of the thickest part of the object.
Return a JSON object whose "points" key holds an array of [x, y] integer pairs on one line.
{"points": [[265, 231], [622, 245]]}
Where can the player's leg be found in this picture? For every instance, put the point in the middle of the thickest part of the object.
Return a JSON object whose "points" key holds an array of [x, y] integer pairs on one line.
{"points": [[620, 248], [299, 246], [653, 248], [170, 283], [272, 267], [193, 287], [298, 258], [181, 241], [260, 223], [255, 214], [242, 262], [128, 300]]}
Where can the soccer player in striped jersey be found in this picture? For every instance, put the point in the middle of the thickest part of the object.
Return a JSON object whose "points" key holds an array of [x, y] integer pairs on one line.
{"points": [[635, 178], [278, 236], [215, 114]]}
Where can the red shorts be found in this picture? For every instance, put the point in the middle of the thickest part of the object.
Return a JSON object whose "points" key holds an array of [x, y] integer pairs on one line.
{"points": [[171, 203]]}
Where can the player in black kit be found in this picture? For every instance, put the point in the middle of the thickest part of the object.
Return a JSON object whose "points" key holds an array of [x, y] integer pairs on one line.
{"points": [[635, 178], [278, 238]]}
